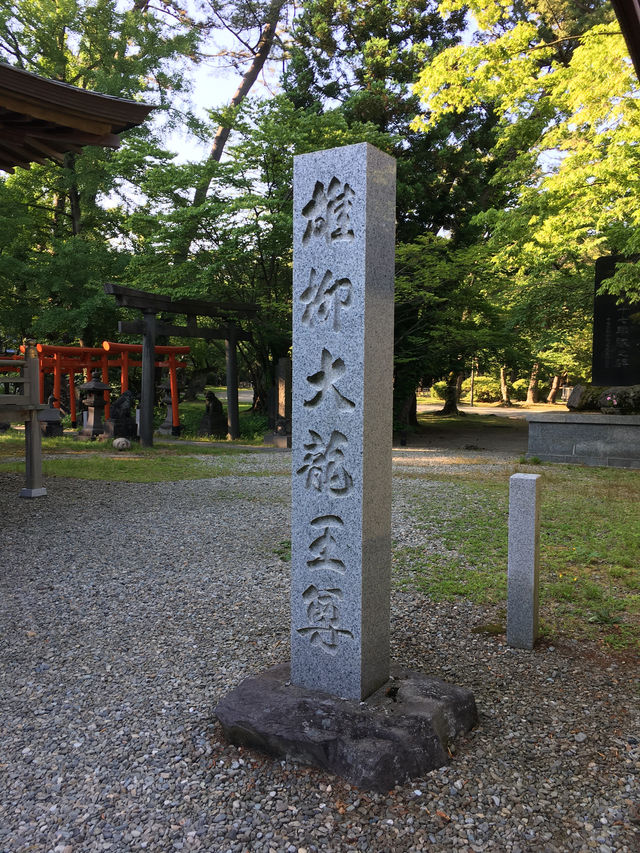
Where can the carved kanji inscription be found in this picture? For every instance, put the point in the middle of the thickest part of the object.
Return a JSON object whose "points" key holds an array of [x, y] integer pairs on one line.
{"points": [[324, 548], [323, 614], [324, 299], [328, 213], [324, 381], [324, 464]]}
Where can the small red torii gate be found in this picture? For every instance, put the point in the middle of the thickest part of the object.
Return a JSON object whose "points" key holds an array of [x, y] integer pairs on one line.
{"points": [[124, 350], [67, 360]]}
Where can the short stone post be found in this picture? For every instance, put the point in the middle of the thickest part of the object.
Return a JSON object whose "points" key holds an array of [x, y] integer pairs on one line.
{"points": [[343, 280], [524, 552]]}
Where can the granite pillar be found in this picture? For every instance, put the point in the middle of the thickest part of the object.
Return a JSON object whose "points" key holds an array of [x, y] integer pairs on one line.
{"points": [[344, 217], [524, 548]]}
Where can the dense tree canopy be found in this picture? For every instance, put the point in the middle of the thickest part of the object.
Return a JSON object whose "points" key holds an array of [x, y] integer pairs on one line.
{"points": [[560, 80]]}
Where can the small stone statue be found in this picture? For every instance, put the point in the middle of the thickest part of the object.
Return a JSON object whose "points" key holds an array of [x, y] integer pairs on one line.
{"points": [[121, 408], [121, 423], [214, 420]]}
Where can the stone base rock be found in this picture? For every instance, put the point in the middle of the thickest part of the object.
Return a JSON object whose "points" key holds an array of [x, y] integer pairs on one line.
{"points": [[401, 731]]}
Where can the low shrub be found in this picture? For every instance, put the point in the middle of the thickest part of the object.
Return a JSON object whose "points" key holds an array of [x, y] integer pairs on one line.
{"points": [[439, 390], [486, 389]]}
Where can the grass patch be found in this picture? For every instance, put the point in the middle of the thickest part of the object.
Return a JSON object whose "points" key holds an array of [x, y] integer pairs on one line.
{"points": [[589, 549], [140, 469], [12, 446], [284, 550], [252, 427], [428, 421], [96, 460]]}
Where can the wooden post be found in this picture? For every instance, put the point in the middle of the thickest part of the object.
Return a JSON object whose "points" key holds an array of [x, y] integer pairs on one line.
{"points": [[72, 398], [232, 385], [105, 379], [124, 372], [148, 369], [173, 383], [57, 379], [473, 377]]}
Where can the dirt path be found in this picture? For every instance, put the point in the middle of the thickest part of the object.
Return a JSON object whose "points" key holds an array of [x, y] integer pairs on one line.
{"points": [[501, 438]]}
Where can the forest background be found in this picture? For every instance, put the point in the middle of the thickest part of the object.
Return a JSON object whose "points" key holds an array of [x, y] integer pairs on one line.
{"points": [[516, 127]]}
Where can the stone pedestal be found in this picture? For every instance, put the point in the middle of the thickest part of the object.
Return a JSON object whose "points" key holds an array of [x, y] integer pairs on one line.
{"points": [[166, 426], [400, 732], [214, 420], [585, 439]]}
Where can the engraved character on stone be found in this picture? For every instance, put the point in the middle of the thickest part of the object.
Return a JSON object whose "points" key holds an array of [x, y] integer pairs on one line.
{"points": [[324, 549], [324, 298], [328, 214], [331, 369], [324, 464], [323, 613]]}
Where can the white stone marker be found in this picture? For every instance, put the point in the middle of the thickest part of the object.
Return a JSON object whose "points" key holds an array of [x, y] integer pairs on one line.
{"points": [[343, 279], [524, 551]]}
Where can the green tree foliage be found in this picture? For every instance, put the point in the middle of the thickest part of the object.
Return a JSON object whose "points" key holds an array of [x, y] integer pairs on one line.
{"points": [[560, 80], [444, 316], [243, 246], [61, 236], [366, 57]]}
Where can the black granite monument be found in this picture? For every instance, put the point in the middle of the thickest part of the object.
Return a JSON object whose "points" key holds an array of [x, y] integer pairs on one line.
{"points": [[616, 333]]}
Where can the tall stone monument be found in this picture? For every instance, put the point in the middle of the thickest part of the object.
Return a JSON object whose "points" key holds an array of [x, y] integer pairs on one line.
{"points": [[338, 705], [343, 280], [616, 333]]}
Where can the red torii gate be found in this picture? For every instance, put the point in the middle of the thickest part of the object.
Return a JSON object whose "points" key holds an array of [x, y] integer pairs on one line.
{"points": [[125, 349], [68, 360]]}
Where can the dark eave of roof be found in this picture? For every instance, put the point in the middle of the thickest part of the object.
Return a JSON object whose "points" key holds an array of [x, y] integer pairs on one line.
{"points": [[628, 14], [44, 119]]}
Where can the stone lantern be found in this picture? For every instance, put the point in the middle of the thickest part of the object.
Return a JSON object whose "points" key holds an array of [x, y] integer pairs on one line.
{"points": [[95, 403]]}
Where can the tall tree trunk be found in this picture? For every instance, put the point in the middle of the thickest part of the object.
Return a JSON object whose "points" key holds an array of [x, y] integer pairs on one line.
{"points": [[459, 381], [73, 193], [451, 396], [260, 55], [58, 213], [532, 391], [504, 387], [404, 398], [409, 411], [558, 381]]}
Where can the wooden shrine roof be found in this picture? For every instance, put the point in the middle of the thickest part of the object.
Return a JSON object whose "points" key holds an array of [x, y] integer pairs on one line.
{"points": [[43, 119], [628, 14]]}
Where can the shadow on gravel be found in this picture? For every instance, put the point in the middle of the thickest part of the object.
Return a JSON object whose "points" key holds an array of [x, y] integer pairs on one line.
{"points": [[508, 436]]}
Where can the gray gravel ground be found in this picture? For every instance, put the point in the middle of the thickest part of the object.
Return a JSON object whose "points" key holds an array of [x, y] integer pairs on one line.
{"points": [[127, 610]]}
